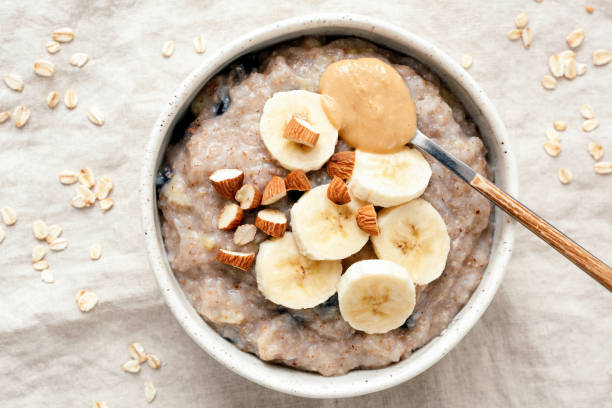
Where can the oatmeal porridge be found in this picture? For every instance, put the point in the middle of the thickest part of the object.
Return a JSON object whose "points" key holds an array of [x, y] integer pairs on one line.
{"points": [[239, 212]]}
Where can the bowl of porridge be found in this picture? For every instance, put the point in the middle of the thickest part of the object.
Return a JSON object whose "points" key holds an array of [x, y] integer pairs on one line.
{"points": [[295, 235]]}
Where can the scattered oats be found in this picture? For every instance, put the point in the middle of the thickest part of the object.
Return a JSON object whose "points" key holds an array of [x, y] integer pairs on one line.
{"points": [[589, 9], [40, 230], [466, 61], [566, 56], [55, 231], [553, 136], [86, 300], [153, 361], [79, 59], [131, 366], [596, 150], [552, 148], [52, 99], [571, 69], [582, 68], [549, 82], [58, 244], [209, 242], [4, 116], [515, 34], [71, 99], [52, 47], [555, 65], [79, 294], [538, 1], [88, 196], [565, 176], [63, 35], [198, 44], [14, 81], [590, 124], [521, 20], [103, 187], [95, 252], [44, 68], [68, 177], [106, 204], [40, 265], [100, 404], [560, 125], [137, 352], [149, 391], [21, 114], [586, 111], [86, 177], [9, 215], [575, 38], [78, 201], [603, 168], [2, 235], [47, 276], [527, 37], [168, 49], [95, 116], [38, 253], [601, 57]]}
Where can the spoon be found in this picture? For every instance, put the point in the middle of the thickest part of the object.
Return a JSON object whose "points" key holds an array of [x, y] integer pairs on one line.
{"points": [[598, 270]]}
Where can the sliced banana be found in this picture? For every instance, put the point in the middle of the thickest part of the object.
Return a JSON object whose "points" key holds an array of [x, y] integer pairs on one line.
{"points": [[304, 105], [324, 230], [287, 278], [389, 179], [376, 296], [413, 235]]}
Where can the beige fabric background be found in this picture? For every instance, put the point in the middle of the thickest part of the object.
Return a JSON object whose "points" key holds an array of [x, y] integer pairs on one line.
{"points": [[545, 341]]}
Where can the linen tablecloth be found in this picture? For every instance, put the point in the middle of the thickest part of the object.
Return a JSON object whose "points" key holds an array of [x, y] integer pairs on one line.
{"points": [[546, 340]]}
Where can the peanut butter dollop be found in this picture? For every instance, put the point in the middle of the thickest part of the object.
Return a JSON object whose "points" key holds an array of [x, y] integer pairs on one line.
{"points": [[369, 103]]}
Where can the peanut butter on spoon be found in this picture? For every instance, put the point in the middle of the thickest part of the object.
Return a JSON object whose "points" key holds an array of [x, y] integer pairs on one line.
{"points": [[369, 103]]}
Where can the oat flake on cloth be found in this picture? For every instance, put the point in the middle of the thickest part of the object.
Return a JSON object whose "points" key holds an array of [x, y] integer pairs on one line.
{"points": [[545, 339]]}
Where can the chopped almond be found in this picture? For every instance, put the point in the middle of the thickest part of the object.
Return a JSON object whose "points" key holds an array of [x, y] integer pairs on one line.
{"points": [[274, 191], [240, 260], [272, 222], [300, 131], [341, 164], [366, 219], [227, 182], [245, 234], [248, 196], [337, 191], [230, 217], [298, 181]]}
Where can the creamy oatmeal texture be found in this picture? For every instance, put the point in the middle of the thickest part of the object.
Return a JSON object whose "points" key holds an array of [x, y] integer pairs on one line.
{"points": [[226, 135]]}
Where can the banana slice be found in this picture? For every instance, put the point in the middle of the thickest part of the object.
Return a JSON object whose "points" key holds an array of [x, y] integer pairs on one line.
{"points": [[376, 296], [324, 230], [413, 235], [389, 179], [287, 278], [278, 112]]}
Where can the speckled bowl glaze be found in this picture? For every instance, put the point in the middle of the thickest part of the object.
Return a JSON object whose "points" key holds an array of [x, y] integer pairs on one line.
{"points": [[358, 382]]}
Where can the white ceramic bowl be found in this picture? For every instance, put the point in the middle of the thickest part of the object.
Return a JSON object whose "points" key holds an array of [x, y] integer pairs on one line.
{"points": [[356, 382]]}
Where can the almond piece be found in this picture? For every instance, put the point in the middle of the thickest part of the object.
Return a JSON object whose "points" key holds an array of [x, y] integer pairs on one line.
{"points": [[227, 182], [244, 234], [229, 217], [337, 191], [240, 260], [300, 131], [341, 164], [248, 196], [274, 191], [272, 222], [575, 38], [366, 219], [297, 181]]}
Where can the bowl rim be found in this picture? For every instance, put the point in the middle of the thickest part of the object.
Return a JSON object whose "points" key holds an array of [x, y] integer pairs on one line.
{"points": [[281, 378]]}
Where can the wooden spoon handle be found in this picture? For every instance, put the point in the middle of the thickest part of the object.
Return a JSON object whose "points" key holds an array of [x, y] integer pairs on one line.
{"points": [[568, 248]]}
